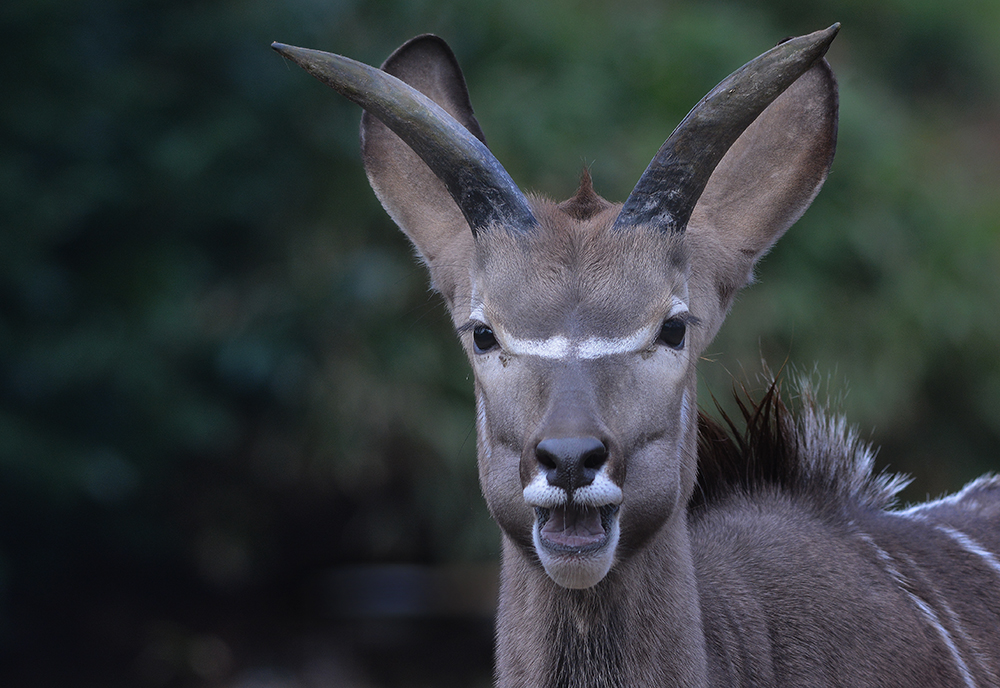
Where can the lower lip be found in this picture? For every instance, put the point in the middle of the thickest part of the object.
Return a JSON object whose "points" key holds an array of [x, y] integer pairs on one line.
{"points": [[608, 513]]}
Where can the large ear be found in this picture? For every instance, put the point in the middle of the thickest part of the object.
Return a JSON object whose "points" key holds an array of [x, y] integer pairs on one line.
{"points": [[768, 178], [411, 193]]}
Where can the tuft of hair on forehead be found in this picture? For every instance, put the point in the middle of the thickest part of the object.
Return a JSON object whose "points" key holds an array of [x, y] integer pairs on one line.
{"points": [[586, 203], [567, 268]]}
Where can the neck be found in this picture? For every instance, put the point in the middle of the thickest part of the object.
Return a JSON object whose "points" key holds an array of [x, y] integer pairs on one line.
{"points": [[641, 625]]}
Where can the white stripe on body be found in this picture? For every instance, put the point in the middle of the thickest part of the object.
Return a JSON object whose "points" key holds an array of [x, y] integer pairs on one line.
{"points": [[961, 499], [946, 637], [928, 612], [922, 512], [970, 545]]}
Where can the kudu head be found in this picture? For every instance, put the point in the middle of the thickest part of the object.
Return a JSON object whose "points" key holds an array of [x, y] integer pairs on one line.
{"points": [[584, 320]]}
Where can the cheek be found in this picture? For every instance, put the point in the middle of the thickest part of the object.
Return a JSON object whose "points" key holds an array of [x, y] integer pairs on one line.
{"points": [[654, 493], [506, 395], [507, 506], [499, 457], [644, 402], [654, 422]]}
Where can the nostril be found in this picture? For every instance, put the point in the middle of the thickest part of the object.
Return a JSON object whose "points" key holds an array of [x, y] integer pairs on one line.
{"points": [[546, 459], [596, 457], [571, 462]]}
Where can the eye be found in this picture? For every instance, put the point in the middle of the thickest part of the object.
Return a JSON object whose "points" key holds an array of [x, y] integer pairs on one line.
{"points": [[483, 339], [672, 333]]}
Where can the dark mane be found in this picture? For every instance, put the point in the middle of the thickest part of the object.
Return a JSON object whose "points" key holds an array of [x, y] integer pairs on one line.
{"points": [[808, 450]]}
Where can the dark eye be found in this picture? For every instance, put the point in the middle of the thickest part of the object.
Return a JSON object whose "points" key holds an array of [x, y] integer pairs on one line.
{"points": [[672, 333], [483, 339]]}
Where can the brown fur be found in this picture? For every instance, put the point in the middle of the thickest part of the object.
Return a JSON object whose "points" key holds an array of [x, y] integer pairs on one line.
{"points": [[586, 203], [764, 557], [572, 269]]}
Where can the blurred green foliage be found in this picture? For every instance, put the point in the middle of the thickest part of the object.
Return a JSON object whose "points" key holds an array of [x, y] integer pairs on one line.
{"points": [[221, 372]]}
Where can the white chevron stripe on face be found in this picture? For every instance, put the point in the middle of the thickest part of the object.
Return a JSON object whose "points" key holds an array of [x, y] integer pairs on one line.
{"points": [[598, 347], [557, 347], [560, 346]]}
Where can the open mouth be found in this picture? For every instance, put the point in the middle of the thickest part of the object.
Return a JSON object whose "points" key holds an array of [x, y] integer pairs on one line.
{"points": [[575, 528]]}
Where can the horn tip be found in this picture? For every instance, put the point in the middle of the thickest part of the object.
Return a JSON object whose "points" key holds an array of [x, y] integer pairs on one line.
{"points": [[827, 35], [304, 57], [815, 44]]}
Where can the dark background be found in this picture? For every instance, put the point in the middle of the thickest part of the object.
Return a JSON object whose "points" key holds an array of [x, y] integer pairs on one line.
{"points": [[236, 432]]}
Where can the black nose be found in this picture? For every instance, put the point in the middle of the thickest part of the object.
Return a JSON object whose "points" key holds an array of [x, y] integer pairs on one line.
{"points": [[571, 462]]}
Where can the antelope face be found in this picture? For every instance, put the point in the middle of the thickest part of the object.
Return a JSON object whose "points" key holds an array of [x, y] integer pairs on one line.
{"points": [[583, 320], [575, 333]]}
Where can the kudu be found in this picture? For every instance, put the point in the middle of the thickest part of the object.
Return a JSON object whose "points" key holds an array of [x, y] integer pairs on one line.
{"points": [[641, 545]]}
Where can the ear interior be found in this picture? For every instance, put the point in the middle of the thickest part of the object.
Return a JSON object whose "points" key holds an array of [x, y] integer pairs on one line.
{"points": [[413, 196], [768, 178]]}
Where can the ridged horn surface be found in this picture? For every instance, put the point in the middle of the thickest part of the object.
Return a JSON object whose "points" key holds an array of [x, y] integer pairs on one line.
{"points": [[670, 187], [481, 187]]}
